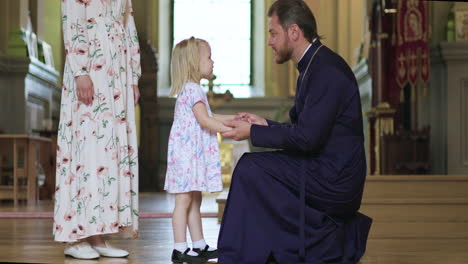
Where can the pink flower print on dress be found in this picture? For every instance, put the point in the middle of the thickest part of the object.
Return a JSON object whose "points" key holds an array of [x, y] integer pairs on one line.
{"points": [[73, 235], [121, 120], [82, 49], [130, 150], [115, 155], [102, 171], [80, 193], [110, 72], [69, 216], [101, 228], [184, 100], [84, 2], [99, 64], [66, 158], [112, 207], [58, 228], [79, 168], [114, 227], [128, 173], [101, 98], [116, 94], [70, 179]]}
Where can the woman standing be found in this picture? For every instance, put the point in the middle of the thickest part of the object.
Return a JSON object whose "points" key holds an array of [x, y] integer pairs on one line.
{"points": [[97, 162]]}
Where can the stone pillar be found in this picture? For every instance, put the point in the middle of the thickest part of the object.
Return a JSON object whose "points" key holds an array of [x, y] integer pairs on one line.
{"points": [[149, 149], [438, 112], [14, 18], [455, 56]]}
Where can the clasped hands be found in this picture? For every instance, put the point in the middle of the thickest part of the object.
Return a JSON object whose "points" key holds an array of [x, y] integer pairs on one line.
{"points": [[241, 125]]}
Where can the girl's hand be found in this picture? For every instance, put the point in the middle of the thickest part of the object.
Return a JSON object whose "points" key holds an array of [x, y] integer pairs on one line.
{"points": [[84, 89], [136, 93]]}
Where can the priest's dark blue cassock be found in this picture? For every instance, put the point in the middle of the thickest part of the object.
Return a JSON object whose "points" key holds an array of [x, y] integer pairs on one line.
{"points": [[300, 204]]}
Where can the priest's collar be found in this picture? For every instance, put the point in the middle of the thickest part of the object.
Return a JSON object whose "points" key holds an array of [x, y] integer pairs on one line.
{"points": [[308, 54]]}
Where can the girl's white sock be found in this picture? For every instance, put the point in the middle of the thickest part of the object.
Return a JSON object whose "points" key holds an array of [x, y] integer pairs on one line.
{"points": [[201, 244], [182, 247]]}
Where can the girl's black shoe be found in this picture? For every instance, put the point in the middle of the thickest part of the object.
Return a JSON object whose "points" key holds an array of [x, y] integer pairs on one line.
{"points": [[179, 257], [205, 253]]}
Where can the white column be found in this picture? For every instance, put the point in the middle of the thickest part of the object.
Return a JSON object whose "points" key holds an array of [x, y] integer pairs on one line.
{"points": [[456, 58]]}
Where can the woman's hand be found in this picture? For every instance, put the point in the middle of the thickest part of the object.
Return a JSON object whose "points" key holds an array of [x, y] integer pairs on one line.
{"points": [[85, 89], [136, 93]]}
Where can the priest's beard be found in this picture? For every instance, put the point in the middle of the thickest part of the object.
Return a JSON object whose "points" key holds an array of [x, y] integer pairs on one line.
{"points": [[283, 54]]}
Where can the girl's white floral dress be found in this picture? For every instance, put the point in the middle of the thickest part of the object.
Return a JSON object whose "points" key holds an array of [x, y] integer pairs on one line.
{"points": [[97, 163], [193, 162]]}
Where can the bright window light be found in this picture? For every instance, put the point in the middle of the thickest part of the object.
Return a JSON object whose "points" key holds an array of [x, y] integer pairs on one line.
{"points": [[226, 25]]}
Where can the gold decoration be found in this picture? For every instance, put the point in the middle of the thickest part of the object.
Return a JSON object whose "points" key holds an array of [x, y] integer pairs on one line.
{"points": [[215, 99], [383, 118]]}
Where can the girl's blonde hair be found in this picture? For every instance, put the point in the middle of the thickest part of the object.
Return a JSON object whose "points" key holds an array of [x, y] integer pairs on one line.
{"points": [[185, 64]]}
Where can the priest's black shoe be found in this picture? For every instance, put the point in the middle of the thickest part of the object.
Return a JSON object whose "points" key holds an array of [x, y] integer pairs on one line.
{"points": [[206, 253], [179, 257]]}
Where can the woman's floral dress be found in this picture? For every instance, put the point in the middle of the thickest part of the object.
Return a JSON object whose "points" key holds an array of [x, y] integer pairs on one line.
{"points": [[97, 162]]}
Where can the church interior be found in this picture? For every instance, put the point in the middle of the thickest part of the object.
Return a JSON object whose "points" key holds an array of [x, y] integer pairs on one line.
{"points": [[410, 59]]}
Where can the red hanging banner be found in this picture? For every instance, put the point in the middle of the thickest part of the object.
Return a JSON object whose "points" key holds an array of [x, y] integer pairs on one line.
{"points": [[412, 53]]}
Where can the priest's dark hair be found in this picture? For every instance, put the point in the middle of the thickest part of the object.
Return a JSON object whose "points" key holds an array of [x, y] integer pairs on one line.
{"points": [[295, 12]]}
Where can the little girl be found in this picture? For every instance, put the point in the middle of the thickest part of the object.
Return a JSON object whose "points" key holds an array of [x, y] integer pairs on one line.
{"points": [[193, 162]]}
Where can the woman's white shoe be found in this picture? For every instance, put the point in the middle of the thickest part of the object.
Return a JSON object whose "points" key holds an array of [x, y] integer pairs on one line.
{"points": [[111, 252], [81, 250]]}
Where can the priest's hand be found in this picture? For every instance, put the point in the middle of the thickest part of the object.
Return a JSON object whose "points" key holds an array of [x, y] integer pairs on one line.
{"points": [[252, 118], [240, 129]]}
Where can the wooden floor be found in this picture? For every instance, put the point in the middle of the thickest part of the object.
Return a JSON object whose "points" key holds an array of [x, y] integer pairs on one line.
{"points": [[30, 240], [149, 202]]}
